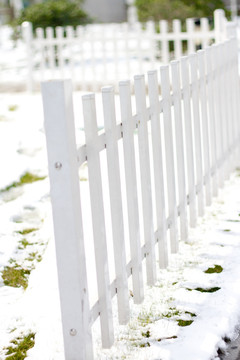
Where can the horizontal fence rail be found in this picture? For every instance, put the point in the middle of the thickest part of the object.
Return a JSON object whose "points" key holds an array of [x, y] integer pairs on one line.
{"points": [[150, 175], [99, 54]]}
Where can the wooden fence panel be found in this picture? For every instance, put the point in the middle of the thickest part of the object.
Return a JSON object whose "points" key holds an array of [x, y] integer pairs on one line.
{"points": [[158, 169], [131, 187], [116, 204], [189, 141], [98, 219], [170, 168], [142, 117], [182, 192]]}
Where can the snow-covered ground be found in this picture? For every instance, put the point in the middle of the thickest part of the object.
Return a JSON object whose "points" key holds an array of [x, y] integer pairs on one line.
{"points": [[154, 331]]}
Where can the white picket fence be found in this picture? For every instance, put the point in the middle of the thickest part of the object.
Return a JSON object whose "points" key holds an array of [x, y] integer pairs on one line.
{"points": [[155, 170], [100, 54]]}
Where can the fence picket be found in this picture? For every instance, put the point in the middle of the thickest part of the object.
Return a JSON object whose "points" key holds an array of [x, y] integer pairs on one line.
{"points": [[98, 220], [212, 119], [182, 193], [177, 40], [190, 32], [116, 204], [205, 124], [67, 216], [197, 131], [164, 41], [171, 187], [189, 140], [158, 168], [131, 188], [140, 96]]}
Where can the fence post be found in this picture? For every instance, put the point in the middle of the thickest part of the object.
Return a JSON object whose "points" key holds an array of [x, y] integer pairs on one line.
{"points": [[27, 33], [67, 217]]}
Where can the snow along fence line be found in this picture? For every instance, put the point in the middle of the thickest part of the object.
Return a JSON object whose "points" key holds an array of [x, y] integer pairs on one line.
{"points": [[183, 145], [95, 55]]}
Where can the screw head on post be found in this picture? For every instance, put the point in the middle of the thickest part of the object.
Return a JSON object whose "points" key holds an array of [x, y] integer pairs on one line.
{"points": [[58, 165], [73, 332]]}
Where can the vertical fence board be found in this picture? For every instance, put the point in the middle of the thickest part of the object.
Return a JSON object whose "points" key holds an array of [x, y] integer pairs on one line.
{"points": [[158, 168], [190, 32], [164, 41], [171, 187], [116, 204], [212, 119], [98, 219], [140, 95], [65, 196], [205, 124], [189, 140], [176, 86], [131, 188], [177, 40], [197, 131]]}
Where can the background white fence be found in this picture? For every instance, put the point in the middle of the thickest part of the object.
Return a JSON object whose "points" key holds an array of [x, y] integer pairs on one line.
{"points": [[100, 54], [150, 174]]}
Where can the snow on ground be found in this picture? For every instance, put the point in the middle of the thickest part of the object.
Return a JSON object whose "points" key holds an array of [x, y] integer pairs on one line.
{"points": [[153, 331]]}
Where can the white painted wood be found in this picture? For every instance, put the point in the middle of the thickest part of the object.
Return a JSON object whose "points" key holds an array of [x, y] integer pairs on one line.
{"points": [[149, 238], [50, 50], [70, 39], [205, 124], [98, 219], [212, 119], [41, 49], [177, 40], [171, 186], [116, 204], [177, 107], [190, 33], [204, 31], [131, 189], [60, 59], [164, 41], [67, 216], [27, 33], [158, 169], [189, 140], [195, 81]]}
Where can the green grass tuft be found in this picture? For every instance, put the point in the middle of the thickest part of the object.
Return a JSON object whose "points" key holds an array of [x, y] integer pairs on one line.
{"points": [[18, 351], [184, 322], [15, 276], [209, 290], [12, 107], [27, 231], [216, 269], [26, 178]]}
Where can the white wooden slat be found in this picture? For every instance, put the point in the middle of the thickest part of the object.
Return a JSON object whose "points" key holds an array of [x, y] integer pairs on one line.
{"points": [[50, 50], [177, 40], [59, 54], [205, 125], [218, 113], [190, 32], [131, 189], [71, 57], [116, 204], [171, 186], [189, 140], [40, 37], [222, 107], [141, 107], [67, 216], [164, 41], [182, 193], [98, 220], [193, 62], [158, 169], [204, 24], [212, 119]]}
